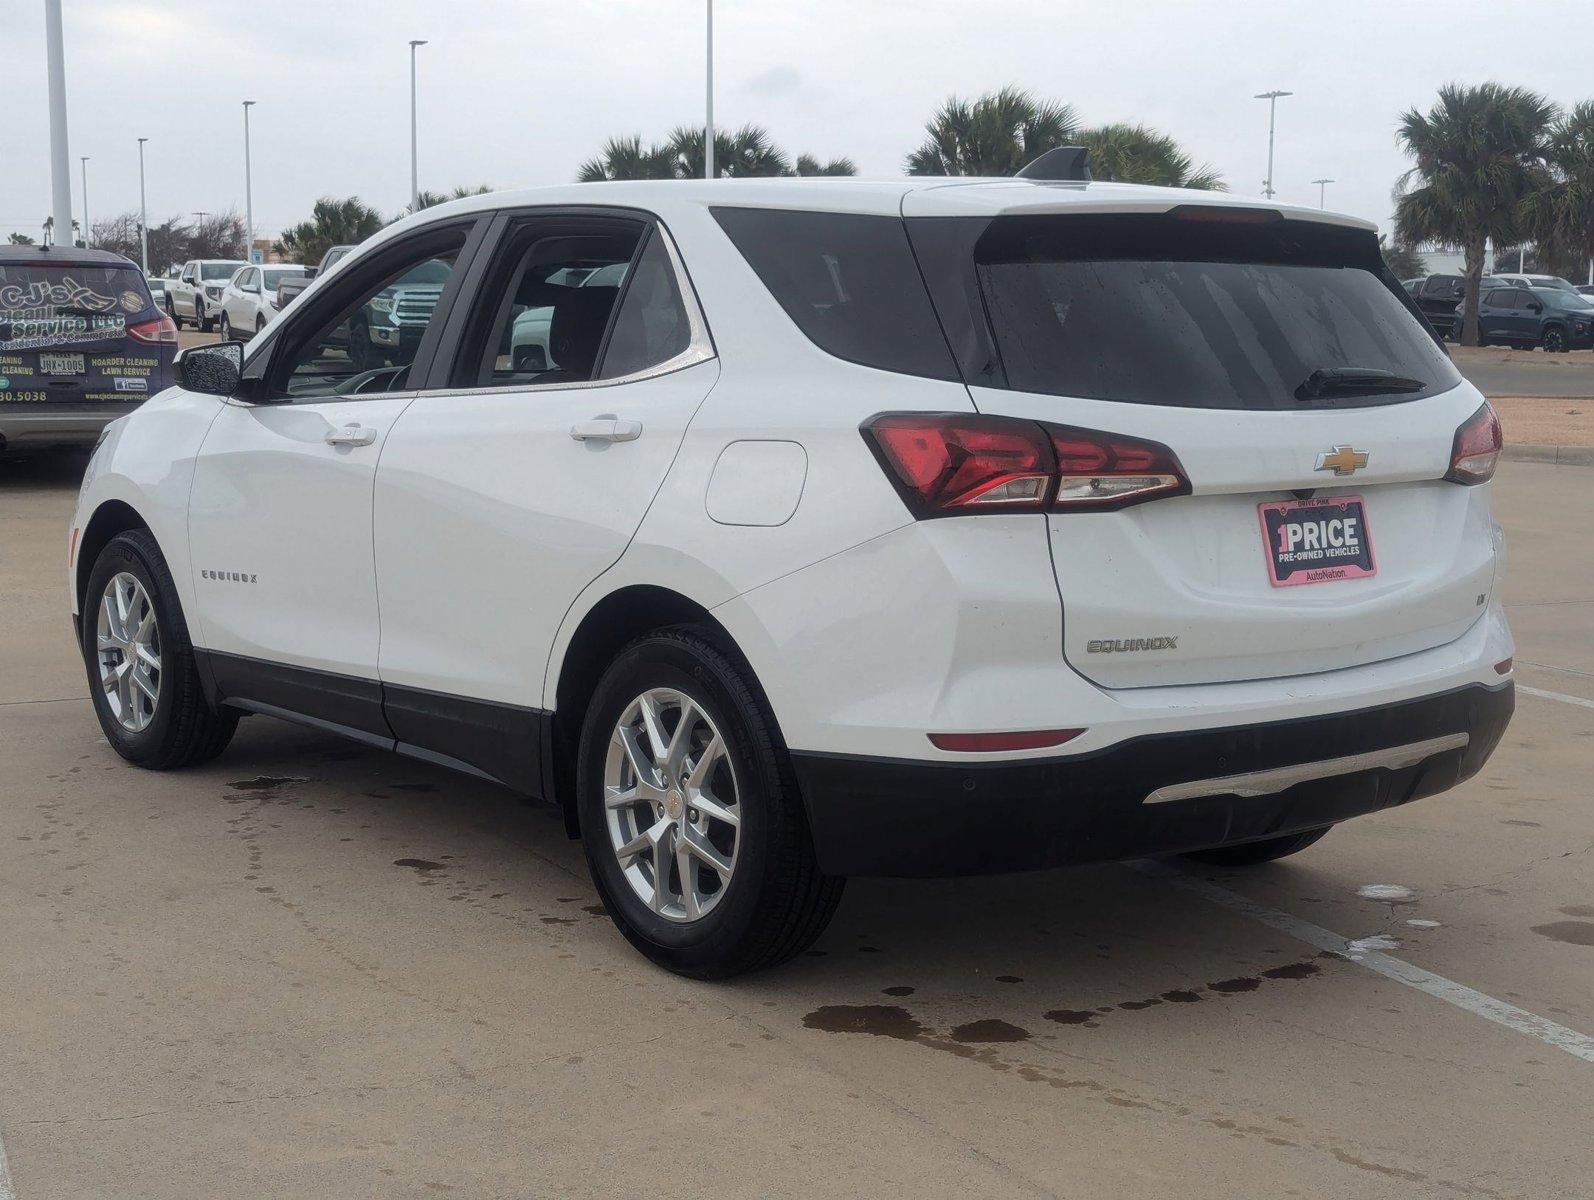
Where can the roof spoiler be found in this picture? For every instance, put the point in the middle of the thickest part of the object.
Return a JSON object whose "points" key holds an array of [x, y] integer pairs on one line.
{"points": [[1065, 164]]}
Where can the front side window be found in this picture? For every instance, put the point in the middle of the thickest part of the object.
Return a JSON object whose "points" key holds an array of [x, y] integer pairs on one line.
{"points": [[371, 341]]}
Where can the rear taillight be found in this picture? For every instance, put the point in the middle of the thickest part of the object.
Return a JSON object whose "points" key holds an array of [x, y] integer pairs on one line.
{"points": [[946, 464], [1476, 450], [158, 331]]}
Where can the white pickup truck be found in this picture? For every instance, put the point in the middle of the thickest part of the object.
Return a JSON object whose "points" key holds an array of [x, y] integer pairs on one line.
{"points": [[194, 295]]}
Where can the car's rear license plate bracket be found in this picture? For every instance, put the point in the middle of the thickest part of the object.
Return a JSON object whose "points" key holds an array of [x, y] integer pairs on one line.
{"points": [[1320, 540]]}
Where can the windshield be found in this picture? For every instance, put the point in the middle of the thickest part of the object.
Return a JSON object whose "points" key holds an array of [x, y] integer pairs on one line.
{"points": [[44, 304], [219, 270], [1201, 314]]}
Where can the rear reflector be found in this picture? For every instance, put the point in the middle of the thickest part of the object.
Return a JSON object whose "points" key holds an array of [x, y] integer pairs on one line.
{"points": [[975, 743], [1476, 450], [160, 331], [946, 464], [1503, 667]]}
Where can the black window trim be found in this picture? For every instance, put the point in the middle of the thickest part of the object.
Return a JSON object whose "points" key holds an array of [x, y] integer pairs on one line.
{"points": [[700, 347], [261, 357]]}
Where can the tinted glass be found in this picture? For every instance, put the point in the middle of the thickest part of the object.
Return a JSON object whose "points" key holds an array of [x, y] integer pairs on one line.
{"points": [[43, 305], [275, 275], [651, 326], [552, 313], [212, 272], [1195, 314], [1443, 285], [1499, 298], [370, 344], [849, 282]]}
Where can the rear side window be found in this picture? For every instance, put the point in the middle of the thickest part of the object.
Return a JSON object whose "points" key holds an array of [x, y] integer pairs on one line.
{"points": [[1198, 314], [652, 326], [849, 282]]}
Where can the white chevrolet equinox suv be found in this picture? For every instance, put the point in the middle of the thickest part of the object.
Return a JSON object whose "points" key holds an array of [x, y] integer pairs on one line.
{"points": [[786, 530]]}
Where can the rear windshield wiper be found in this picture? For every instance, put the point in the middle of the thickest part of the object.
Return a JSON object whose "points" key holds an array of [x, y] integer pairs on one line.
{"points": [[1354, 381]]}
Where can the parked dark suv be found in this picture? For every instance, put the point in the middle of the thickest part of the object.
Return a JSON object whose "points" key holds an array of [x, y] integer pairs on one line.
{"points": [[1528, 317], [81, 343], [1439, 297]]}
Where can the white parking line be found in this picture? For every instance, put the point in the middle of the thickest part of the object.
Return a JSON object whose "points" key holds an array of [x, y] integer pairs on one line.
{"points": [[1574, 1043], [1561, 696], [7, 1192]]}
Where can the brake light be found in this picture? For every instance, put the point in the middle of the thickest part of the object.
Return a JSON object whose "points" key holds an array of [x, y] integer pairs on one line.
{"points": [[1476, 450], [947, 464], [160, 331], [976, 743]]}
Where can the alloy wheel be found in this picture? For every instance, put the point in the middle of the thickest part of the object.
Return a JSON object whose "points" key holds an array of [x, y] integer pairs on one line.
{"points": [[128, 649], [672, 805]]}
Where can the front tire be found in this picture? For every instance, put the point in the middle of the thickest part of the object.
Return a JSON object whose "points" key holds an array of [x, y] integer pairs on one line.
{"points": [[1250, 854], [692, 823], [142, 675]]}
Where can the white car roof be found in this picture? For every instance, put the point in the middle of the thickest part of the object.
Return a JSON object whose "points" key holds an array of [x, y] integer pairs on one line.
{"points": [[916, 196]]}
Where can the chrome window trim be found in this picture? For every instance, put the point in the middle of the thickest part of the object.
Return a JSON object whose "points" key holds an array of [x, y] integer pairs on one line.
{"points": [[1278, 779], [699, 347]]}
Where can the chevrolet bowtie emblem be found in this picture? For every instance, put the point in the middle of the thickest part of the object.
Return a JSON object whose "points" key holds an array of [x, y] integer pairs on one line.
{"points": [[1342, 460]]}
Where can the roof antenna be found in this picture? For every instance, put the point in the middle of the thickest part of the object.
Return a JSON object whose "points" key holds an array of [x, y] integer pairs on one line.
{"points": [[1065, 164]]}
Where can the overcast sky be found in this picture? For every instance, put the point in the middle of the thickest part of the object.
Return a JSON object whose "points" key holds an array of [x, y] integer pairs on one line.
{"points": [[518, 92]]}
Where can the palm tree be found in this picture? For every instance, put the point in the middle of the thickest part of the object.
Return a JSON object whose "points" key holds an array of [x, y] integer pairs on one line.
{"points": [[995, 135], [332, 223], [1126, 153], [20, 239], [1560, 214], [1479, 153], [430, 199], [746, 154], [627, 158], [807, 164]]}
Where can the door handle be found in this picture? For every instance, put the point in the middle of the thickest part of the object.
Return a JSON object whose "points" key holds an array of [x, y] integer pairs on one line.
{"points": [[606, 428], [350, 435]]}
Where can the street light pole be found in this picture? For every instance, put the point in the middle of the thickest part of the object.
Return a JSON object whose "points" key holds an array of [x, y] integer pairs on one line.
{"points": [[84, 160], [1322, 191], [60, 156], [143, 213], [415, 170], [1272, 99], [708, 120], [249, 193]]}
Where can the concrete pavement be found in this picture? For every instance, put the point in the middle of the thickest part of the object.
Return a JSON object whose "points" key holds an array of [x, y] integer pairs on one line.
{"points": [[309, 969]]}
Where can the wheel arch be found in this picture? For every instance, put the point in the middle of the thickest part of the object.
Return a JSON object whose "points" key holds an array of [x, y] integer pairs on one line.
{"points": [[110, 518], [606, 628]]}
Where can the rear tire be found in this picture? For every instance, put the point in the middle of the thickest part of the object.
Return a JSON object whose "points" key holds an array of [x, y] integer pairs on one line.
{"points": [[1250, 854], [175, 728], [171, 311], [226, 327], [768, 900], [1553, 340]]}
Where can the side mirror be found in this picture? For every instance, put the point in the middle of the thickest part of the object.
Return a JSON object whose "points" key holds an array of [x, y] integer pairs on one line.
{"points": [[211, 370]]}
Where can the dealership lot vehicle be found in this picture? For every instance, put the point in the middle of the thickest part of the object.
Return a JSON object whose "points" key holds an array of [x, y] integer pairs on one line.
{"points": [[1527, 317], [313, 968], [81, 343], [1439, 297], [193, 295], [1554, 282], [770, 582], [249, 300], [289, 286]]}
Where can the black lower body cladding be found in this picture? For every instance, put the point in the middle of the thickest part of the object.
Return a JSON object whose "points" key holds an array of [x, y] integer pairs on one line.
{"points": [[899, 818]]}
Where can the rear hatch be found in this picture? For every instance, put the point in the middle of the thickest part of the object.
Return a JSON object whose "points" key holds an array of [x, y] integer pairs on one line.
{"points": [[1311, 411], [77, 335]]}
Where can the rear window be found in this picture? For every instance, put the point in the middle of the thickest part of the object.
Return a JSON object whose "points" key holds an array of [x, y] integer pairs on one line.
{"points": [[848, 281], [43, 305], [219, 270], [1200, 314], [275, 275]]}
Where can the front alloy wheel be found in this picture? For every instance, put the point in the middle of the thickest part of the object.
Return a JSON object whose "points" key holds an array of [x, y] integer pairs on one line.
{"points": [[670, 795], [129, 648]]}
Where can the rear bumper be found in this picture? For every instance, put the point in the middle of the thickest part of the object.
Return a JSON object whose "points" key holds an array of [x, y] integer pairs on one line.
{"points": [[874, 816], [79, 427]]}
